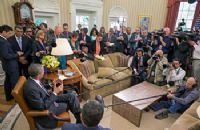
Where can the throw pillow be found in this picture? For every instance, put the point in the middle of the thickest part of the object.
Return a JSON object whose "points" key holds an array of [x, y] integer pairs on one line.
{"points": [[105, 63], [87, 68]]}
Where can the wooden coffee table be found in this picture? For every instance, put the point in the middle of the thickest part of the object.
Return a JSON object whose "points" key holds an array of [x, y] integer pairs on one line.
{"points": [[133, 111]]}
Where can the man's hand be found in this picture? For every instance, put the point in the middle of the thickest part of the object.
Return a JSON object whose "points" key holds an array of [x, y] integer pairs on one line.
{"points": [[58, 86], [170, 96], [20, 53], [107, 43], [23, 60]]}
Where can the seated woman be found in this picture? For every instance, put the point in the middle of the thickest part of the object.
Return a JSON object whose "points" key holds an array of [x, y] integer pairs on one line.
{"points": [[75, 45], [39, 47], [97, 46]]}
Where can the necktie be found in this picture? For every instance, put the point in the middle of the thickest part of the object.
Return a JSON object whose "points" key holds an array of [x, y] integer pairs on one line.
{"points": [[43, 89], [139, 62], [20, 43], [66, 34]]}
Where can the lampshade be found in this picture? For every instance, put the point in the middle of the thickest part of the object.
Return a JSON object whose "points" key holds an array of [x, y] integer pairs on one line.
{"points": [[62, 47]]}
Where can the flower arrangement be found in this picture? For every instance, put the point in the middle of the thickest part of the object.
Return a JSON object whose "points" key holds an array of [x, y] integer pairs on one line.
{"points": [[51, 62]]}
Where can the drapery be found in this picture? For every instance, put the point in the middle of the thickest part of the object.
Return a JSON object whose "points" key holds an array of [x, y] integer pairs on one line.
{"points": [[172, 13], [196, 14]]}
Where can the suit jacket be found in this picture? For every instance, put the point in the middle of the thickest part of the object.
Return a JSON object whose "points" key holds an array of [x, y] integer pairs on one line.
{"points": [[113, 39], [69, 126], [37, 47], [92, 49], [144, 62], [64, 34], [8, 56], [38, 99], [26, 46], [87, 39]]}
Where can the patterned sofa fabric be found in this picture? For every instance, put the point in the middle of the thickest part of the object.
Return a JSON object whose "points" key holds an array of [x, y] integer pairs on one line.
{"points": [[188, 119]]}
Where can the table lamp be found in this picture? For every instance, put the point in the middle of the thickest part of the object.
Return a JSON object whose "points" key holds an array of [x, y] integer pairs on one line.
{"points": [[62, 49]]}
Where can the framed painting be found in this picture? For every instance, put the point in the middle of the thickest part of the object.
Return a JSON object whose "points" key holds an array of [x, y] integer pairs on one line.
{"points": [[144, 22]]}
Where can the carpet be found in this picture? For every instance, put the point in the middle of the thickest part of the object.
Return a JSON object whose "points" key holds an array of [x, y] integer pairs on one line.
{"points": [[9, 120]]}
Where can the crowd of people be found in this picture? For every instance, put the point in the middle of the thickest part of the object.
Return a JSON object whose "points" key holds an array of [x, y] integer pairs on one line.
{"points": [[159, 57]]}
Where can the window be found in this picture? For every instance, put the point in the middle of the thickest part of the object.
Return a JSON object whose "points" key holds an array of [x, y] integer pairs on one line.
{"points": [[186, 12], [83, 20]]}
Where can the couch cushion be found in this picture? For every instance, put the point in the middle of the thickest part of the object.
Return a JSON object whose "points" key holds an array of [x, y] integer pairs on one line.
{"points": [[185, 121], [193, 109], [87, 68], [104, 63], [98, 81], [114, 57], [105, 71], [123, 60], [124, 69]]}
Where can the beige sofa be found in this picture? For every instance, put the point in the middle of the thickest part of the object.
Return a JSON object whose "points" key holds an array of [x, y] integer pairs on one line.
{"points": [[113, 67], [189, 120]]}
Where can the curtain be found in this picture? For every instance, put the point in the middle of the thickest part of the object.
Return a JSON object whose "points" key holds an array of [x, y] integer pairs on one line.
{"points": [[196, 14], [172, 13]]}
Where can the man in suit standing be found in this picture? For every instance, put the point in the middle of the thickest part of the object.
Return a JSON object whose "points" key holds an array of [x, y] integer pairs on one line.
{"points": [[38, 98], [84, 38], [22, 44], [66, 33], [91, 115], [9, 61]]}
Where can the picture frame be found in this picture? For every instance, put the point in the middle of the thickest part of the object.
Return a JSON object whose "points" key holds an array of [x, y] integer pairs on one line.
{"points": [[144, 22]]}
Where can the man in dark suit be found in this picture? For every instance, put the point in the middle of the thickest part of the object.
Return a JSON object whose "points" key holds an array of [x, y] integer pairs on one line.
{"points": [[23, 44], [91, 115], [139, 64], [84, 38], [38, 98], [66, 33], [110, 41], [9, 61]]}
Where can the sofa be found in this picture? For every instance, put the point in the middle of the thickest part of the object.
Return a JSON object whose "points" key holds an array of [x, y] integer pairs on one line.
{"points": [[104, 77], [189, 120]]}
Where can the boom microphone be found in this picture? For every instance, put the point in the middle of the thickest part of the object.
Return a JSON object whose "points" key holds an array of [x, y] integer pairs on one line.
{"points": [[100, 99]]}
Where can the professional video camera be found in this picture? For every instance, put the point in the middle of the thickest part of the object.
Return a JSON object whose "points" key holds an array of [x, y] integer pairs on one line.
{"points": [[184, 36], [157, 34]]}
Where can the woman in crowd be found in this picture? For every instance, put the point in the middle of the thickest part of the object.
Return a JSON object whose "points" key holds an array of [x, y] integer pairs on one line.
{"points": [[97, 46], [75, 45], [39, 47], [93, 34]]}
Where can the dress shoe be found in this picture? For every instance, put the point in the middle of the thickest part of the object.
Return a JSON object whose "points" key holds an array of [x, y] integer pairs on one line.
{"points": [[162, 115]]}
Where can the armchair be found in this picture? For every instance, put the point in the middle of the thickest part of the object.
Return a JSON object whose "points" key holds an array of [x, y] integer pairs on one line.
{"points": [[17, 93]]}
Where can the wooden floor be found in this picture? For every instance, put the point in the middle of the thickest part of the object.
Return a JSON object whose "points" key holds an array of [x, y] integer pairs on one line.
{"points": [[4, 105]]}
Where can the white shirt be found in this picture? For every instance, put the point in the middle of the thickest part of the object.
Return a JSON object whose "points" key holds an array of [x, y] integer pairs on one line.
{"points": [[3, 37], [196, 53]]}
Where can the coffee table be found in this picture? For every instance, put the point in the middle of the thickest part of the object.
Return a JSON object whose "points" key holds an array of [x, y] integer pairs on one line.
{"points": [[133, 111]]}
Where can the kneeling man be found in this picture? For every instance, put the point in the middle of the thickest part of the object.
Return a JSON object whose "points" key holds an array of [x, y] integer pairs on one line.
{"points": [[38, 98]]}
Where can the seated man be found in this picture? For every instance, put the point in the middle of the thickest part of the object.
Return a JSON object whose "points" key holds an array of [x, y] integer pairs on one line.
{"points": [[174, 74], [179, 100], [92, 113], [155, 68], [139, 64], [38, 98]]}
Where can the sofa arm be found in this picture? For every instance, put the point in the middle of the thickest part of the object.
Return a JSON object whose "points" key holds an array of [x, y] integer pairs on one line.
{"points": [[35, 113], [84, 79]]}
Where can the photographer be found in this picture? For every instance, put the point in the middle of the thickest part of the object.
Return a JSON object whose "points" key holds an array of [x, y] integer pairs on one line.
{"points": [[174, 74], [196, 60], [155, 68], [165, 42]]}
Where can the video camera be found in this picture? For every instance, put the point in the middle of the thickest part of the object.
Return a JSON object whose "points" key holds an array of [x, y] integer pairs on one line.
{"points": [[185, 36], [156, 57]]}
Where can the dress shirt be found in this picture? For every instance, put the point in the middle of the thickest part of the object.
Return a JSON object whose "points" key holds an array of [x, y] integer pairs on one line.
{"points": [[19, 41], [196, 53]]}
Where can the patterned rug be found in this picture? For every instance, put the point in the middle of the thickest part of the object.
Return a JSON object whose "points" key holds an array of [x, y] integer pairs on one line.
{"points": [[9, 120]]}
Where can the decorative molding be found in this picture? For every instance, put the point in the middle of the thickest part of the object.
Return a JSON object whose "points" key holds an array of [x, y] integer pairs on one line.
{"points": [[47, 6]]}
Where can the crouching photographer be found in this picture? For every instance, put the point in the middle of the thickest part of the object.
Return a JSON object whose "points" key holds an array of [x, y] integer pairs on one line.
{"points": [[155, 68], [174, 74]]}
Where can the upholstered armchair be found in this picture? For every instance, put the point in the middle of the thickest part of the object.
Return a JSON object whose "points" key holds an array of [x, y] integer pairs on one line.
{"points": [[30, 114]]}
